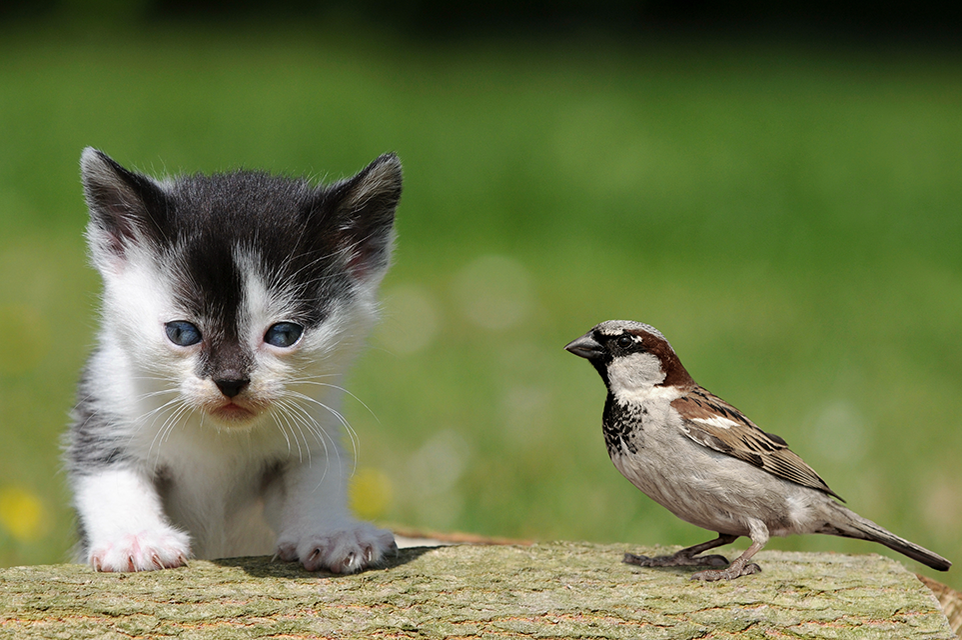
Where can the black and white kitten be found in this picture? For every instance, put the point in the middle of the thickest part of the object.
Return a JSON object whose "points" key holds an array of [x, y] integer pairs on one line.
{"points": [[208, 422]]}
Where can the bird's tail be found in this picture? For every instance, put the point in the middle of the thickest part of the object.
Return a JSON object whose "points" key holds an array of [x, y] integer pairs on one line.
{"points": [[852, 525]]}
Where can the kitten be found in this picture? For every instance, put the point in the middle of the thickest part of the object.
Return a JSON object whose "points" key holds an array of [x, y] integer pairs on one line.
{"points": [[208, 422]]}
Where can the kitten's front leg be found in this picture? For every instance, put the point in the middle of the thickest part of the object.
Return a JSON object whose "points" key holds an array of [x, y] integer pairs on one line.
{"points": [[123, 523], [317, 529]]}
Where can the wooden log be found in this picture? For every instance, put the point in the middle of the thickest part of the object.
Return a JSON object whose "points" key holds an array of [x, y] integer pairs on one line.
{"points": [[549, 590]]}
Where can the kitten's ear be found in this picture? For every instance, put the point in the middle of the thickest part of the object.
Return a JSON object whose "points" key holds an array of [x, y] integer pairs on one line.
{"points": [[364, 209], [120, 203]]}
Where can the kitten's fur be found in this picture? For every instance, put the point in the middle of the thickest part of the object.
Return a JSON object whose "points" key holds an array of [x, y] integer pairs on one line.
{"points": [[208, 419]]}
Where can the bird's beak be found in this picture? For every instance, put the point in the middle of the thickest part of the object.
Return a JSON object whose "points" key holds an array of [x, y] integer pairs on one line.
{"points": [[586, 347]]}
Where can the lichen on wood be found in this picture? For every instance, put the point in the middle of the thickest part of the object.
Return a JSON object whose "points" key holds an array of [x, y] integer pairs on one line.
{"points": [[551, 590]]}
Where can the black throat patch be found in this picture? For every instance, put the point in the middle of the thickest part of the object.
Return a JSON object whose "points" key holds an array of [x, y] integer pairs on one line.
{"points": [[623, 424]]}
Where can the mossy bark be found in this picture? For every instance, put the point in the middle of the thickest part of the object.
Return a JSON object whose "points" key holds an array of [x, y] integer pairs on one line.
{"points": [[555, 590]]}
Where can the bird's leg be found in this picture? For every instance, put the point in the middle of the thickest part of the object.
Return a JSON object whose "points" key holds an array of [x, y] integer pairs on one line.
{"points": [[687, 557], [740, 566]]}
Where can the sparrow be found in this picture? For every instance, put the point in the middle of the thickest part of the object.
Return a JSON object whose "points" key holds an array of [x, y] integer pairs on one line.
{"points": [[703, 460]]}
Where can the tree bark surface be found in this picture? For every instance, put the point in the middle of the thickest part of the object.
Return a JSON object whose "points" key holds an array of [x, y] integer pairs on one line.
{"points": [[550, 590]]}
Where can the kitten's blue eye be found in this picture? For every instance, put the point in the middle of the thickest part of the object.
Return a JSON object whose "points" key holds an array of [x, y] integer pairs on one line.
{"points": [[182, 333], [283, 334]]}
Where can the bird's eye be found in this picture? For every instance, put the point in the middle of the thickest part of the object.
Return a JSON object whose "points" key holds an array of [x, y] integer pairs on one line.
{"points": [[283, 334], [182, 333], [624, 341]]}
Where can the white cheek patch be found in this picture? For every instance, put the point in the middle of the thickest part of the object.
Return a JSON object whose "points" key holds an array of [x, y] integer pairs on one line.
{"points": [[635, 371], [717, 421]]}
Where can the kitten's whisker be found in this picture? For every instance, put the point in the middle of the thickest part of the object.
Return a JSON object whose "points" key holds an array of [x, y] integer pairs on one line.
{"points": [[277, 415], [157, 393], [163, 434], [334, 412], [159, 408], [284, 412], [338, 388], [183, 408], [154, 378], [340, 417], [304, 420], [152, 415], [303, 417]]}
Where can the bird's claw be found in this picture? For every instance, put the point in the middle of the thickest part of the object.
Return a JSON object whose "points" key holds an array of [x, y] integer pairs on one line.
{"points": [[732, 572]]}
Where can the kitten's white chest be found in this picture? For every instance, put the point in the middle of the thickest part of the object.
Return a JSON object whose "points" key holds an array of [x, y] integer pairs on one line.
{"points": [[217, 488]]}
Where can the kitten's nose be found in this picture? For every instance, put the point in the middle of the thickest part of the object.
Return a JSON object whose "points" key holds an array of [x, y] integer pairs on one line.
{"points": [[231, 388]]}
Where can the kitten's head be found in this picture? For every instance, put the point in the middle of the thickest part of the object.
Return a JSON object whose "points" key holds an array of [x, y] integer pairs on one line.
{"points": [[234, 289]]}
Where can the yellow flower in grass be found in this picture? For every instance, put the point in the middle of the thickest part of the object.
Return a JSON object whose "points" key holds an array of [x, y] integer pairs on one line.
{"points": [[370, 493], [22, 513]]}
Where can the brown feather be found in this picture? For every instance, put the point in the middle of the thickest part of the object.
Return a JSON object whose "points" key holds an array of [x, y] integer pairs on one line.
{"points": [[743, 439]]}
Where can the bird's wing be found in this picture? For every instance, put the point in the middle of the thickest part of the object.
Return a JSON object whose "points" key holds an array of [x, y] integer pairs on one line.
{"points": [[712, 422]]}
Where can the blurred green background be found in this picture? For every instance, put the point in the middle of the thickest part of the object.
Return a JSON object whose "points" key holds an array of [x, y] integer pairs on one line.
{"points": [[787, 214]]}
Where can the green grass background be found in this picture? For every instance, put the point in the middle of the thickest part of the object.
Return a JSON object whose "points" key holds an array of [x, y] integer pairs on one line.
{"points": [[788, 215]]}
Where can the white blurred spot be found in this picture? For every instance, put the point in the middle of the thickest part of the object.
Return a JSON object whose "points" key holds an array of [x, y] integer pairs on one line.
{"points": [[411, 319], [526, 401], [839, 432], [494, 292], [527, 410], [432, 475]]}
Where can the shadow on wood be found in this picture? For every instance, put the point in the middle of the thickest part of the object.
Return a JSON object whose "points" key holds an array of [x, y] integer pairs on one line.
{"points": [[267, 567]]}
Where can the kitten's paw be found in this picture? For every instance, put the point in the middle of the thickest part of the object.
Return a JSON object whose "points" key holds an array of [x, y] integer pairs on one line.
{"points": [[144, 551], [352, 548]]}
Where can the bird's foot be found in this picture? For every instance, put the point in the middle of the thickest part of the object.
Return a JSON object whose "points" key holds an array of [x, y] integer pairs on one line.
{"points": [[679, 559], [734, 571]]}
